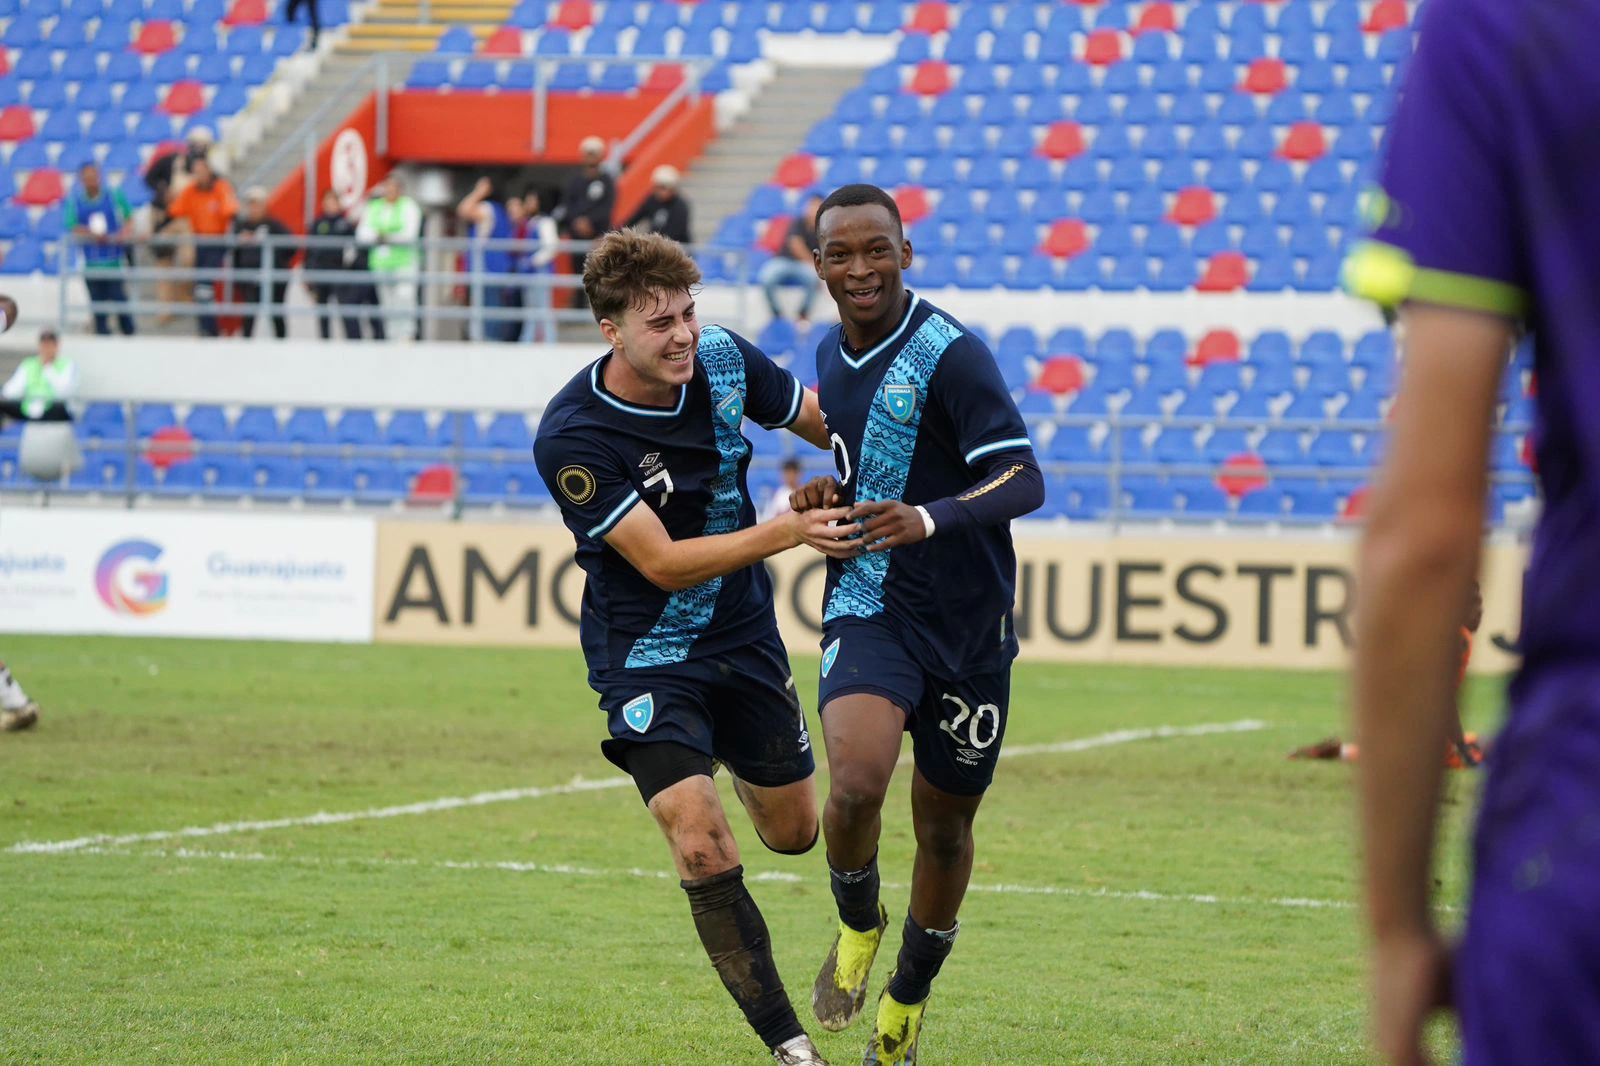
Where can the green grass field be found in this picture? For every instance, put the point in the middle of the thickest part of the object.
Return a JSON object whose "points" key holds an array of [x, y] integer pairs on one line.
{"points": [[1157, 901]]}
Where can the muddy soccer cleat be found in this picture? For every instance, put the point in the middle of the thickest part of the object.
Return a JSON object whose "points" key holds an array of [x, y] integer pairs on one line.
{"points": [[841, 988], [798, 1052], [894, 1037], [24, 717], [1327, 748]]}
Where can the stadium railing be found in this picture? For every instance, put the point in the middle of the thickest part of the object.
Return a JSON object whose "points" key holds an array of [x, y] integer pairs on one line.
{"points": [[146, 463]]}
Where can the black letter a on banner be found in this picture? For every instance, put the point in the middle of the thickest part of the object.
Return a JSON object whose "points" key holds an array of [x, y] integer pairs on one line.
{"points": [[419, 562]]}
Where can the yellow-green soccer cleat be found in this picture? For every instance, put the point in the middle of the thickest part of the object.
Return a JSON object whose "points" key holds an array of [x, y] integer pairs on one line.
{"points": [[894, 1038], [841, 988]]}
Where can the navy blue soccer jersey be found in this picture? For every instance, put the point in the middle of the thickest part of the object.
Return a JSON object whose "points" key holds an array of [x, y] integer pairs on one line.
{"points": [[601, 457], [910, 418]]}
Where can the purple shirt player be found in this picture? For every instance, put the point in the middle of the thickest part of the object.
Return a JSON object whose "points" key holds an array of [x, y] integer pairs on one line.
{"points": [[1488, 223]]}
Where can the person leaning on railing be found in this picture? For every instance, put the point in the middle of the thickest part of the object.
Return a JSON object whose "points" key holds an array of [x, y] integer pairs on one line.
{"points": [[389, 226], [208, 205], [99, 220], [250, 230], [333, 224]]}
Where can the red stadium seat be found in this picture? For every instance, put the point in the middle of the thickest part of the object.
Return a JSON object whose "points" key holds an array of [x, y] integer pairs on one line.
{"points": [[663, 78], [16, 123], [246, 13], [169, 445], [43, 188], [155, 38], [1088, 3], [773, 234], [1103, 48], [506, 41], [1063, 141], [931, 79], [797, 172], [574, 15], [5, 62], [1530, 456], [1218, 346], [1241, 474], [931, 16], [1355, 506], [1266, 76], [1062, 375], [1195, 206], [1067, 237], [1157, 17], [1225, 272], [912, 200], [1306, 141], [1386, 15], [184, 98], [435, 484]]}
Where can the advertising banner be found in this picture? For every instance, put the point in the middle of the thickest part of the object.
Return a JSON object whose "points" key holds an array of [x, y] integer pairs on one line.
{"points": [[1193, 600], [191, 574]]}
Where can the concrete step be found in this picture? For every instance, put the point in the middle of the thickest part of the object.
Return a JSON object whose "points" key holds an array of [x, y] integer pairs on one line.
{"points": [[398, 15]]}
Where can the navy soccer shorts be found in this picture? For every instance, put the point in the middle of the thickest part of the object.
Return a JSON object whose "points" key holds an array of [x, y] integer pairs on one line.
{"points": [[956, 725], [740, 707]]}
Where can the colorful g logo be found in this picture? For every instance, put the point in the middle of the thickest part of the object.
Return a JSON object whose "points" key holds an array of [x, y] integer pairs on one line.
{"points": [[129, 580]]}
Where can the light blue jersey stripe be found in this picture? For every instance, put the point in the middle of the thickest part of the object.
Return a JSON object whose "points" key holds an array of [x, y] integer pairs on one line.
{"points": [[615, 516], [688, 612], [998, 446], [887, 444], [794, 408]]}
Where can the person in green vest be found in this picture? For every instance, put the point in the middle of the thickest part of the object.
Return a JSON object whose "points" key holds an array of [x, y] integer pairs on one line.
{"points": [[43, 382], [390, 226], [99, 220]]}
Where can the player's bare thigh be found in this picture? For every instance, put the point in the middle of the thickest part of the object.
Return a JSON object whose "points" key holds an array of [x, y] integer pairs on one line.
{"points": [[862, 733], [784, 815]]}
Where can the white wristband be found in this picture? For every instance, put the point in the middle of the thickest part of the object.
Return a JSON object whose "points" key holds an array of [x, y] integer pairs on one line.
{"points": [[927, 520]]}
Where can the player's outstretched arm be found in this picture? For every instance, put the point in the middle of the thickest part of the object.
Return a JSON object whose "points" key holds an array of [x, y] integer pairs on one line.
{"points": [[1009, 486], [1415, 572], [679, 564]]}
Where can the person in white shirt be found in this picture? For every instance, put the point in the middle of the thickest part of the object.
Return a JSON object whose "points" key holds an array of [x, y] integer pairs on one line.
{"points": [[390, 226], [779, 504], [41, 381]]}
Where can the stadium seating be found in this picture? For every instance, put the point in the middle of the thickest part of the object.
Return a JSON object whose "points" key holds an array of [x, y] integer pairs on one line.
{"points": [[115, 82]]}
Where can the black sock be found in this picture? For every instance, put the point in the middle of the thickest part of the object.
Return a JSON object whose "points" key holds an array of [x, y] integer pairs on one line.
{"points": [[735, 936], [922, 952], [856, 893]]}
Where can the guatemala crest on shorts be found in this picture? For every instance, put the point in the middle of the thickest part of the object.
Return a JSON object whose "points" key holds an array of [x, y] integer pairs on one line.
{"points": [[732, 408], [901, 401], [639, 712], [829, 655]]}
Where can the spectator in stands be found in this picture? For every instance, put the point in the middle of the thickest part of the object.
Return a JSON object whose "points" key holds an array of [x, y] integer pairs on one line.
{"points": [[664, 211], [38, 391], [794, 264], [390, 226], [208, 206], [490, 259], [166, 175], [99, 220], [779, 504], [332, 225], [586, 209], [536, 263], [252, 230], [316, 19]]}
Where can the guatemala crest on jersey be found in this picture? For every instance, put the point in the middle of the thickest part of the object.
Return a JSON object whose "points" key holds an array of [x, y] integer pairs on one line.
{"points": [[901, 401], [731, 408], [829, 654], [639, 712]]}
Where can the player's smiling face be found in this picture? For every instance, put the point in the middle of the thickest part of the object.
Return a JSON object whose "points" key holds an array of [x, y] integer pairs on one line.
{"points": [[656, 343], [861, 254]]}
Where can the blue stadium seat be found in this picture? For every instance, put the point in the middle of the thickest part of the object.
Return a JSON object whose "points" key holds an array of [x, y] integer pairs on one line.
{"points": [[1263, 503], [458, 428], [1313, 501], [408, 429], [308, 425], [1176, 447], [1335, 447], [509, 432], [357, 427]]}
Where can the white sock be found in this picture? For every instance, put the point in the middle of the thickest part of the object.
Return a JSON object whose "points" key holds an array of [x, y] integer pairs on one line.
{"points": [[12, 698]]}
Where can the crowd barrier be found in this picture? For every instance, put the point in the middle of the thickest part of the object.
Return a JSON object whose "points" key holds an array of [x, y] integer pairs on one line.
{"points": [[1218, 600]]}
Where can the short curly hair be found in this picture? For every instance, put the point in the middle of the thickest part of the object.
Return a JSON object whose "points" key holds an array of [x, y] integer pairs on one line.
{"points": [[626, 269]]}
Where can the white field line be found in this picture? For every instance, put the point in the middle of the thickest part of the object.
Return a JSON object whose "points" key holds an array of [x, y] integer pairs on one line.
{"points": [[569, 870], [451, 803]]}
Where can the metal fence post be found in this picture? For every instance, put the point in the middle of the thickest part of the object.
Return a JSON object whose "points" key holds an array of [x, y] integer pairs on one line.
{"points": [[264, 293], [383, 105], [310, 172], [68, 243], [540, 101], [476, 289], [1115, 488]]}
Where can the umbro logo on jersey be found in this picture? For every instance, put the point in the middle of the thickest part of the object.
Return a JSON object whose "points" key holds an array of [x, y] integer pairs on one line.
{"points": [[901, 401], [732, 408], [650, 460], [968, 756]]}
